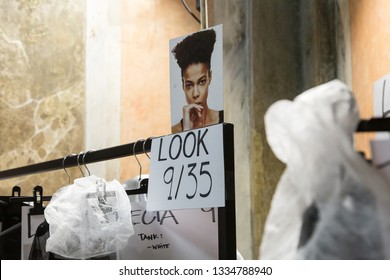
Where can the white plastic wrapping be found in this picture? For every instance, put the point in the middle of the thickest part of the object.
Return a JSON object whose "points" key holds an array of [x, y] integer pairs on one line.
{"points": [[88, 219], [313, 135]]}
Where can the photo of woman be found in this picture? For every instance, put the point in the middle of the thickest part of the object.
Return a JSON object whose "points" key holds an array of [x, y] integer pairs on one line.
{"points": [[193, 56]]}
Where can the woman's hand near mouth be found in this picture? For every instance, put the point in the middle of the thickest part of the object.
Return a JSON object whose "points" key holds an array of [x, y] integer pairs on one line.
{"points": [[192, 116]]}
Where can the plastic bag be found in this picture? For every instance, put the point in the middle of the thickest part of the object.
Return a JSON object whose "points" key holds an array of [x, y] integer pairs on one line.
{"points": [[88, 219], [313, 135]]}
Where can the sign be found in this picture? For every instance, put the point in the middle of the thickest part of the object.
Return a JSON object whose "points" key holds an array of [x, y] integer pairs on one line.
{"points": [[187, 170], [28, 234], [172, 234], [382, 102], [380, 150]]}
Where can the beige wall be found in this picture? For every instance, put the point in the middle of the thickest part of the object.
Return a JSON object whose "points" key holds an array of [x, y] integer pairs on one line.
{"points": [[41, 87], [370, 37], [147, 27]]}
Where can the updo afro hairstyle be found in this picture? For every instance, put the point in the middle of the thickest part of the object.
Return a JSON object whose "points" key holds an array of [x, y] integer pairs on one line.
{"points": [[195, 48]]}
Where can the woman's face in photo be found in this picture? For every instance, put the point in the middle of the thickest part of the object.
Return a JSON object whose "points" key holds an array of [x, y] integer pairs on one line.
{"points": [[196, 80]]}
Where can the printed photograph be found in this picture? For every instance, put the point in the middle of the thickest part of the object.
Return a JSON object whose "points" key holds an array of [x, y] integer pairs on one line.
{"points": [[196, 80]]}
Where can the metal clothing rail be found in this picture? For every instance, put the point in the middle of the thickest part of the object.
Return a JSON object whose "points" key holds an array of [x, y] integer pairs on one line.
{"points": [[141, 146], [374, 125], [136, 148]]}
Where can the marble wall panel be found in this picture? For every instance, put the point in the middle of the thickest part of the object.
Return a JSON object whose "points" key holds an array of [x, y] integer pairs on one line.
{"points": [[41, 87]]}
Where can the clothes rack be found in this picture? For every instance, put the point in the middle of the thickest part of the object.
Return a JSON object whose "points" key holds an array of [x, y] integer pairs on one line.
{"points": [[141, 147], [226, 215], [131, 149]]}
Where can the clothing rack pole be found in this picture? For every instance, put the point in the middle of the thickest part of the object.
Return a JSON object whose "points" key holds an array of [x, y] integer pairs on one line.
{"points": [[141, 147], [374, 125]]}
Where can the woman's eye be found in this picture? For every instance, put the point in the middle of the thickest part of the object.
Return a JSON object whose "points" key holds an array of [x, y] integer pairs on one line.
{"points": [[188, 86], [202, 82]]}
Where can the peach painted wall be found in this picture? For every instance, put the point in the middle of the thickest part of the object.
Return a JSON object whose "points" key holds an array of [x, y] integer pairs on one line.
{"points": [[147, 26], [370, 37]]}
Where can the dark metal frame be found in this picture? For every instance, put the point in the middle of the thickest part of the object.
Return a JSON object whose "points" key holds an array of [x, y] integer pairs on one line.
{"points": [[139, 147]]}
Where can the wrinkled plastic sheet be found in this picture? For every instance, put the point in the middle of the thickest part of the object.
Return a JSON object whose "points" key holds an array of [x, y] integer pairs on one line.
{"points": [[90, 218], [330, 203]]}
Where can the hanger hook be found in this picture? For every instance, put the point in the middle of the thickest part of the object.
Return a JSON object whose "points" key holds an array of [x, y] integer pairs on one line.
{"points": [[143, 146], [140, 166], [78, 163], [63, 166], [86, 167]]}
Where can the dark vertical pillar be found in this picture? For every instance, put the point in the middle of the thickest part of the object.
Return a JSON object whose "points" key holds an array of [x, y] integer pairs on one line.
{"points": [[275, 56]]}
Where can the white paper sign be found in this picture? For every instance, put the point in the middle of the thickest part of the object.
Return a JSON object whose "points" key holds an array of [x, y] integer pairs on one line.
{"points": [[190, 234], [380, 150], [382, 102], [187, 170], [382, 97], [28, 237]]}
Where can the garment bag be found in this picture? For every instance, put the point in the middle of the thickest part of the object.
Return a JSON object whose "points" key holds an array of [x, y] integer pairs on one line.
{"points": [[330, 203]]}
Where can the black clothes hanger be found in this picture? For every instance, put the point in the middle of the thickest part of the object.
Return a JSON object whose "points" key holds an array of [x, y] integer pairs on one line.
{"points": [[16, 201], [38, 201], [142, 189], [37, 209], [10, 211], [10, 236], [15, 191], [5, 203], [142, 182], [10, 214]]}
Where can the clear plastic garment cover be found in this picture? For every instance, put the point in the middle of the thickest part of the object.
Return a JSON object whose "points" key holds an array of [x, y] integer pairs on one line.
{"points": [[330, 203]]}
